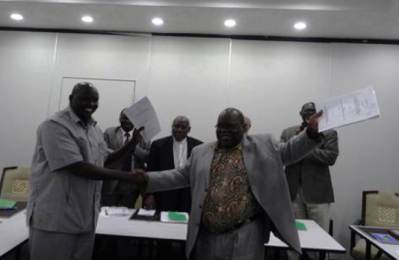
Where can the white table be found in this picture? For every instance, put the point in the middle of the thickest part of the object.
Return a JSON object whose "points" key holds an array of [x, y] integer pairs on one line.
{"points": [[123, 226], [313, 239], [13, 232], [390, 250]]}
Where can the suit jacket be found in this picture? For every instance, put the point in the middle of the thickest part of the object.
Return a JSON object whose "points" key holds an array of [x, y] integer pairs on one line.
{"points": [[313, 173], [114, 138], [161, 158], [264, 159]]}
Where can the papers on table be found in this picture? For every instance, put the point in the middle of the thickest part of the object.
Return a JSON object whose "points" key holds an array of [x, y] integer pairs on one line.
{"points": [[142, 113], [343, 110], [117, 211], [7, 204], [174, 217], [300, 225], [147, 213]]}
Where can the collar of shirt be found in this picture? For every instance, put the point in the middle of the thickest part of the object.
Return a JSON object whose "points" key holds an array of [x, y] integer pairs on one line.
{"points": [[184, 141], [124, 134], [77, 120], [237, 147]]}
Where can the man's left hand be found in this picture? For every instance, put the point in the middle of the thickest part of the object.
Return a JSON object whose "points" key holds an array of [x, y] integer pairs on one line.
{"points": [[313, 125]]}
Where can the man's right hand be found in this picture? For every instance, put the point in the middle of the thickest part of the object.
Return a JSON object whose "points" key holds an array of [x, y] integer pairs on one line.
{"points": [[137, 137], [139, 177]]}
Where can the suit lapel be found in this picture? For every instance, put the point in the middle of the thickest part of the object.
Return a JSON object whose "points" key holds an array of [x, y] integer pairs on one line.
{"points": [[169, 153], [248, 155], [189, 146], [206, 158], [119, 136]]}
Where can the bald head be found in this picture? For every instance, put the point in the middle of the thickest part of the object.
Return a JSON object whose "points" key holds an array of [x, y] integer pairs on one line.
{"points": [[230, 128], [84, 100], [180, 127]]}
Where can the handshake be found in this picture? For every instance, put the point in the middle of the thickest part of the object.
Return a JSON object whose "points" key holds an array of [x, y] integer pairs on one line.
{"points": [[139, 178]]}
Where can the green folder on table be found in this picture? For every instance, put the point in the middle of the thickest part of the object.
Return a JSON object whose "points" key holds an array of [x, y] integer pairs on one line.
{"points": [[7, 204], [177, 216], [300, 225]]}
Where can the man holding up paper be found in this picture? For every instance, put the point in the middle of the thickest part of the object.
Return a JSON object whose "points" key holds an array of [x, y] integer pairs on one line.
{"points": [[309, 180], [117, 193], [239, 193]]}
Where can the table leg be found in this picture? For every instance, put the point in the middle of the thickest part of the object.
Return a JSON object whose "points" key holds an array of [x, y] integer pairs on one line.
{"points": [[322, 255], [368, 250]]}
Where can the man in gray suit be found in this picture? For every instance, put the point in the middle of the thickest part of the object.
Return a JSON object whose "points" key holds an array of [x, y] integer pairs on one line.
{"points": [[239, 192], [117, 193], [309, 180]]}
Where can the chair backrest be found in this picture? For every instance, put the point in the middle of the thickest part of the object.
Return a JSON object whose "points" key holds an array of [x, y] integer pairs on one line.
{"points": [[14, 184], [380, 209]]}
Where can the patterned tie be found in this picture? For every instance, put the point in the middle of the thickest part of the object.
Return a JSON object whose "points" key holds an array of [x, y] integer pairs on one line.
{"points": [[127, 137], [127, 163]]}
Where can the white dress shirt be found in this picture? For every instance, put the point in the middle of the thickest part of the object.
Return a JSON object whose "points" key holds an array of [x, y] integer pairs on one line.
{"points": [[179, 152]]}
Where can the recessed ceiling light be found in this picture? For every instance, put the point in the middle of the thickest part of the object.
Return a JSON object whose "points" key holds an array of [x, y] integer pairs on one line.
{"points": [[87, 19], [16, 17], [157, 21], [230, 23], [300, 26]]}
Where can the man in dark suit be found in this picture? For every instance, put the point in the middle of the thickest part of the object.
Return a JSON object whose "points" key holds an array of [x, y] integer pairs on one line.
{"points": [[309, 180], [118, 138], [169, 153]]}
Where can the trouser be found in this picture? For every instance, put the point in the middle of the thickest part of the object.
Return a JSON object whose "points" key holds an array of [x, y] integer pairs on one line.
{"points": [[243, 243], [45, 245], [320, 213]]}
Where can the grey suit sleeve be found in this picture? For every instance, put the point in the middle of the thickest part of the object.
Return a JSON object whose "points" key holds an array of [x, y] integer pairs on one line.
{"points": [[296, 148], [142, 150], [283, 137], [169, 179], [107, 139], [328, 152]]}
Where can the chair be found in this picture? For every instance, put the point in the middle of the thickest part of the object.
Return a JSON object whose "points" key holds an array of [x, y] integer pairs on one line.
{"points": [[14, 183], [379, 209]]}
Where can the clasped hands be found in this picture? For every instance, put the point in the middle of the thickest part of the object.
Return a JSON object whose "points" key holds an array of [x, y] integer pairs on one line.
{"points": [[139, 178]]}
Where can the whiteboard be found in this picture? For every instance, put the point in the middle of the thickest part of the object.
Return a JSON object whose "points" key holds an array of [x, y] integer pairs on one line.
{"points": [[115, 94]]}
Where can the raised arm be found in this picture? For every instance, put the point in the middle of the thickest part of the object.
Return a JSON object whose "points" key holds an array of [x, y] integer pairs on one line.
{"points": [[327, 152], [297, 147]]}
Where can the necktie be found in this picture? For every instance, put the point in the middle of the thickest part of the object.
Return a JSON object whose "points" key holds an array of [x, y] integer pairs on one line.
{"points": [[127, 163], [127, 137]]}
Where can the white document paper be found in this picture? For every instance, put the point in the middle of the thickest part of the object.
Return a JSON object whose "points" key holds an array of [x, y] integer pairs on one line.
{"points": [[142, 113], [116, 211], [348, 109], [147, 213]]}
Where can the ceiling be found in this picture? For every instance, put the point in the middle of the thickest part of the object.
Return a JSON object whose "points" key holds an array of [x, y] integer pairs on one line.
{"points": [[353, 19]]}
